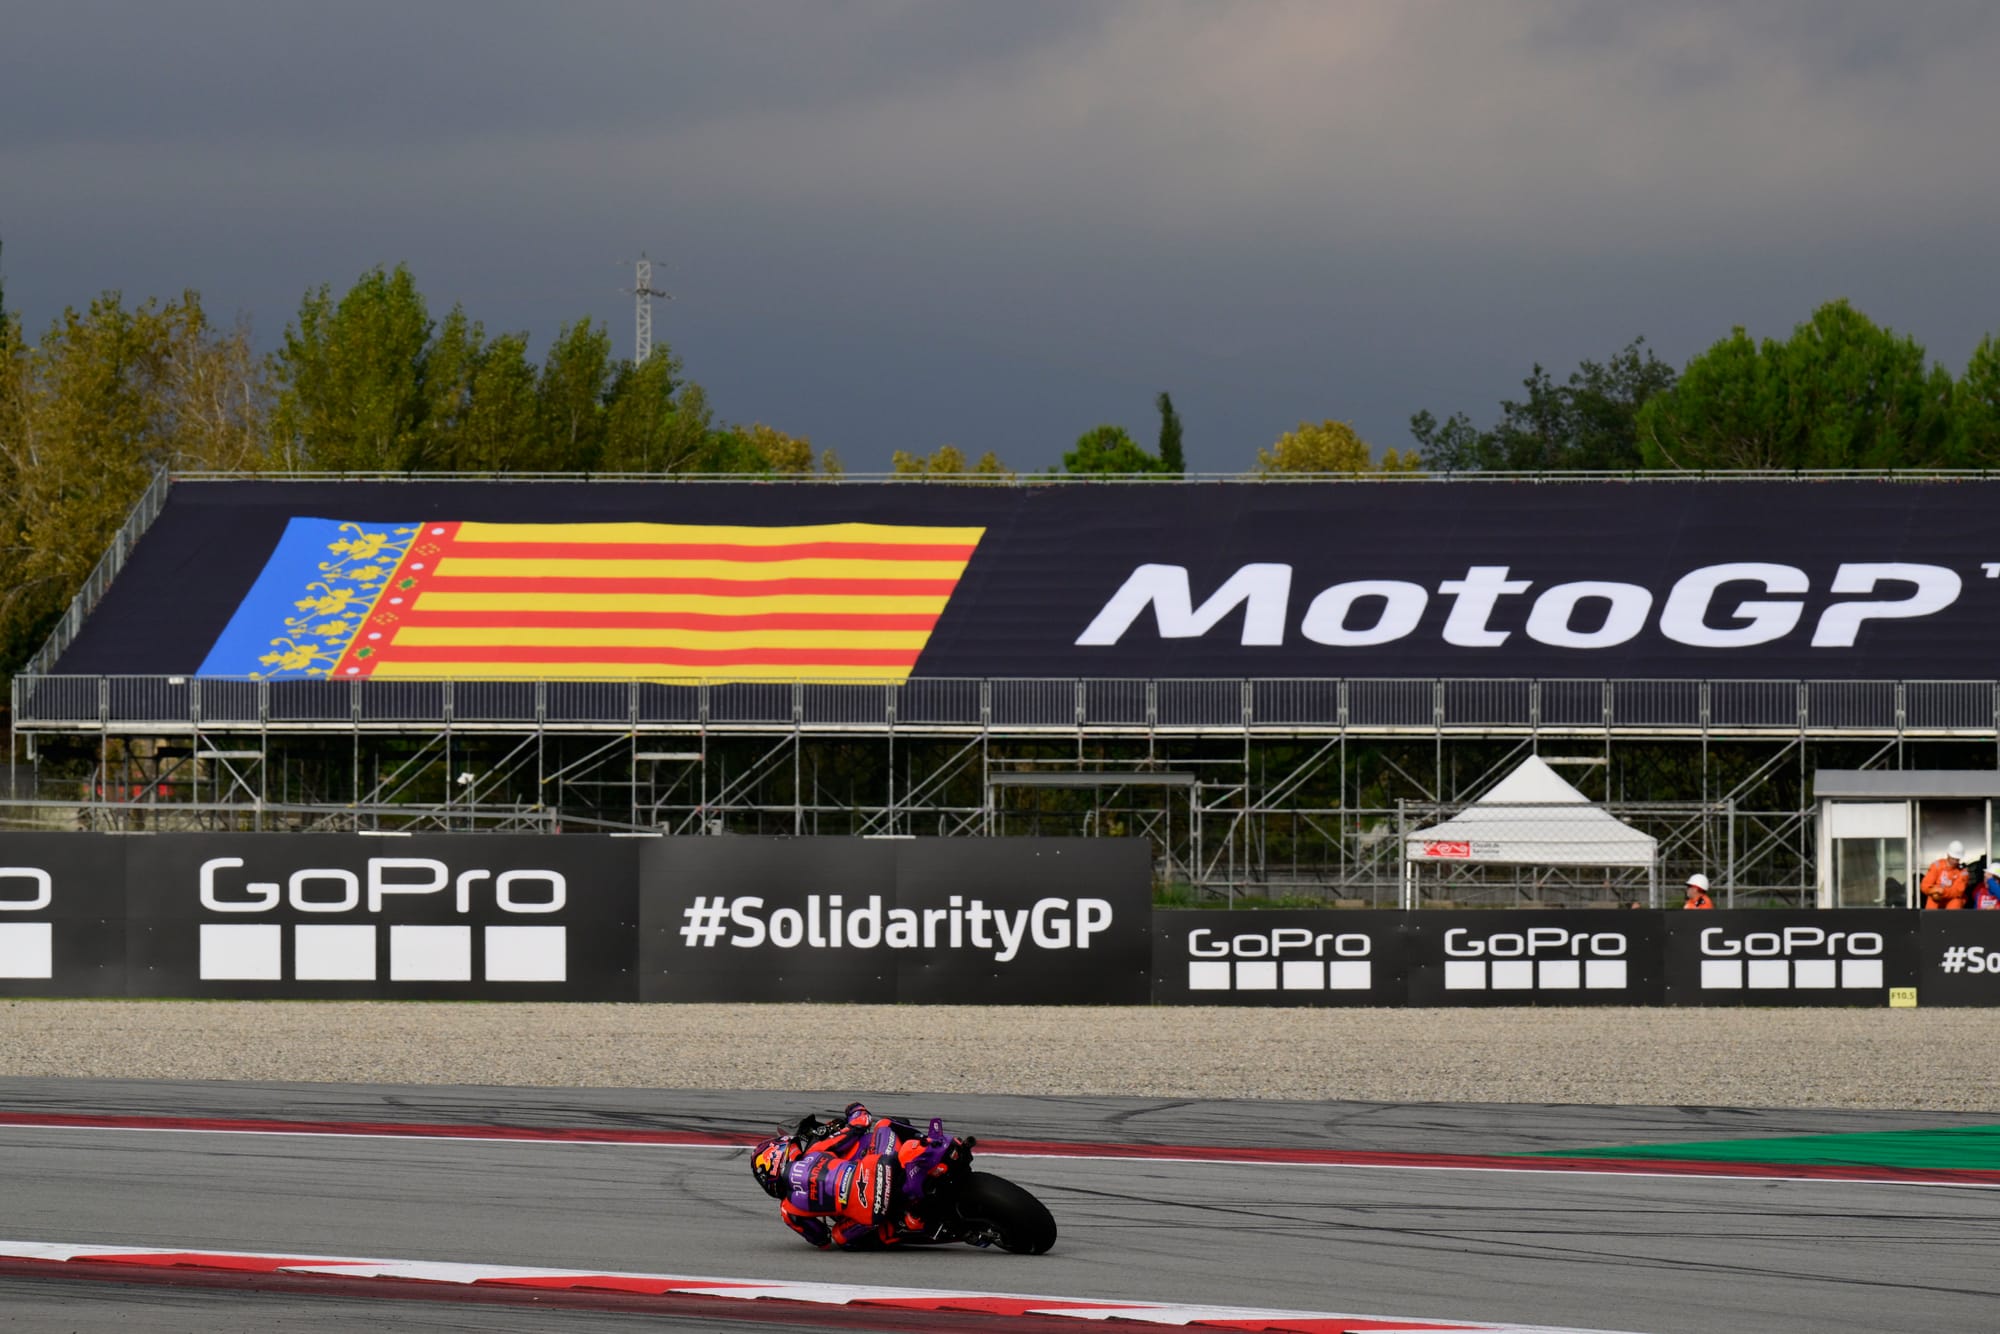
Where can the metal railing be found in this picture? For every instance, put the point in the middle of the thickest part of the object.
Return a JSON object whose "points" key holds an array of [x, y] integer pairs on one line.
{"points": [[1274, 705]]}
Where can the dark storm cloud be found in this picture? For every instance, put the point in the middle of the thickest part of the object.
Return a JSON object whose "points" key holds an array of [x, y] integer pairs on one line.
{"points": [[893, 225], [248, 71]]}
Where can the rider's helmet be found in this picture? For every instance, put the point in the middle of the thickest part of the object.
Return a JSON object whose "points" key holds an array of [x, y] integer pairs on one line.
{"points": [[770, 1163]]}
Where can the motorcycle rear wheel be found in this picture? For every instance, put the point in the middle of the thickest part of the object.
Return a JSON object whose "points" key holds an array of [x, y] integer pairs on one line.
{"points": [[1022, 1223]]}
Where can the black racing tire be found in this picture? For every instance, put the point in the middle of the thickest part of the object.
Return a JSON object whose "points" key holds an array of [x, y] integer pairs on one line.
{"points": [[1024, 1224]]}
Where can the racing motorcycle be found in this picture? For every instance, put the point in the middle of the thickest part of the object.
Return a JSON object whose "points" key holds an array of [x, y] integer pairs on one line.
{"points": [[937, 1189]]}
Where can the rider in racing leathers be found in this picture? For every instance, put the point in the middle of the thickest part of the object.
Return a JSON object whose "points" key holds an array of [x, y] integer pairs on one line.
{"points": [[842, 1183]]}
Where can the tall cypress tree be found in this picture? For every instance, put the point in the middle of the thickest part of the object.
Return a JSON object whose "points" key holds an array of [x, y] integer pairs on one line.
{"points": [[1172, 460]]}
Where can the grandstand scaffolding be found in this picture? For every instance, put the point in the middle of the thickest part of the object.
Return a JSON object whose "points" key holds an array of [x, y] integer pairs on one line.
{"points": [[1235, 805]]}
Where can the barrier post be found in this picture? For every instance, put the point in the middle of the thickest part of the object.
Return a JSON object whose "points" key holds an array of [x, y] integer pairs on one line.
{"points": [[1406, 897], [1729, 854]]}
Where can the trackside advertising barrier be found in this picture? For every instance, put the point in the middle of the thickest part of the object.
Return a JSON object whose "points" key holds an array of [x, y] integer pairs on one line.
{"points": [[576, 918], [1052, 921], [62, 915], [1048, 921], [1840, 957], [1588, 957], [441, 917], [1958, 958], [1280, 957]]}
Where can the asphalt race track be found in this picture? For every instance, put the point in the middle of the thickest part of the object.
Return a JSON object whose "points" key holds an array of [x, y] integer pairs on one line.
{"points": [[1656, 1255]]}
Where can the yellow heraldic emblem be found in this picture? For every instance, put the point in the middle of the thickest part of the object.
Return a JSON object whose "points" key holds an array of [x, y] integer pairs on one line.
{"points": [[335, 604]]}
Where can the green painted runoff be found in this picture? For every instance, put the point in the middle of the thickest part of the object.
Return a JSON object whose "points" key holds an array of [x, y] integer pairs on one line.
{"points": [[1963, 1147]]}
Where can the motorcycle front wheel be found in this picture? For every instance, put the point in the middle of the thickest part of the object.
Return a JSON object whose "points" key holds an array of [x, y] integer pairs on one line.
{"points": [[1016, 1220]]}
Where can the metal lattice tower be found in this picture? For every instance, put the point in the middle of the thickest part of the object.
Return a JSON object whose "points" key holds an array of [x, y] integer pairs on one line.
{"points": [[643, 293]]}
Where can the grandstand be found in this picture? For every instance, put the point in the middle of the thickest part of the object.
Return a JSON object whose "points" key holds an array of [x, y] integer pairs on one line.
{"points": [[1275, 681]]}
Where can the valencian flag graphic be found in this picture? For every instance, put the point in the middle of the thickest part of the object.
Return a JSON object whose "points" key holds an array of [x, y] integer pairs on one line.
{"points": [[626, 601]]}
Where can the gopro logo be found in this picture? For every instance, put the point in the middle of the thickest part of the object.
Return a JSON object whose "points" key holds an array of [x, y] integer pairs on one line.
{"points": [[1257, 960], [1542, 958]]}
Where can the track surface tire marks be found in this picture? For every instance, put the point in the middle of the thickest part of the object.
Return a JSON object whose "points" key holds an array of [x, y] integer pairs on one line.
{"points": [[1360, 1126], [1819, 1160], [1607, 1252]]}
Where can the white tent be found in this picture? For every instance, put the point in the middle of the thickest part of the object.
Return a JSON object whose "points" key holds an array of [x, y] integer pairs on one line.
{"points": [[1531, 817]]}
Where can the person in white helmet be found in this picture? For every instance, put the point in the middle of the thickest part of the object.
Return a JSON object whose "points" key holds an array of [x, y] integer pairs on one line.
{"points": [[1947, 881], [1697, 893]]}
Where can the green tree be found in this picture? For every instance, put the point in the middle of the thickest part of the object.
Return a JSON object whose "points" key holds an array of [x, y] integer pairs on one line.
{"points": [[1323, 447], [1588, 423], [493, 418], [88, 414], [1451, 445], [1108, 450], [1841, 392], [451, 362], [570, 399], [782, 454], [656, 422], [645, 429], [1172, 458], [1976, 409], [693, 443], [352, 377], [948, 461]]}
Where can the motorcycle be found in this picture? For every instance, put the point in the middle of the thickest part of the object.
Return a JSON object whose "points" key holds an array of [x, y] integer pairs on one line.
{"points": [[937, 1188]]}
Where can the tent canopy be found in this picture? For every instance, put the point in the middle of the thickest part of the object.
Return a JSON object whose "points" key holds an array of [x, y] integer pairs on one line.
{"points": [[1533, 817]]}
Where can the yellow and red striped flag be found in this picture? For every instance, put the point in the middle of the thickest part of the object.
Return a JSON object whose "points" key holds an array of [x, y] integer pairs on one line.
{"points": [[653, 601]]}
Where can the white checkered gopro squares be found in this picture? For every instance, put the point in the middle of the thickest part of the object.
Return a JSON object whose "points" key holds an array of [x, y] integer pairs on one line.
{"points": [[1293, 975], [1350, 975], [327, 952], [1790, 974], [1260, 975], [1561, 974], [27, 950], [1208, 975], [526, 954], [1769, 974], [1304, 975], [1527, 975], [242, 952], [1465, 975], [333, 953], [430, 954]]}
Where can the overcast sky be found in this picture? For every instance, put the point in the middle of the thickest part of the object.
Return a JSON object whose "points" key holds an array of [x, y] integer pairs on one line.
{"points": [[892, 225]]}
